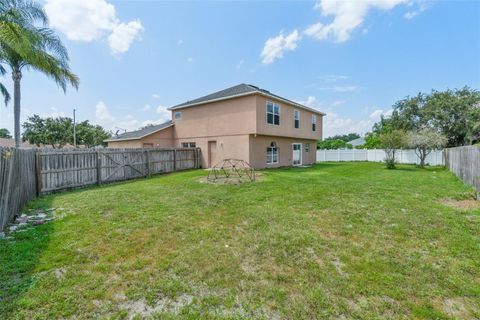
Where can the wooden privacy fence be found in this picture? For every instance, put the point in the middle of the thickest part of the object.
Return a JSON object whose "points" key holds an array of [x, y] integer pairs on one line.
{"points": [[26, 173], [17, 181], [464, 162]]}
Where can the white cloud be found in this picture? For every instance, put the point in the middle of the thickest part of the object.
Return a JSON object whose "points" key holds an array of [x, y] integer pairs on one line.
{"points": [[413, 13], [102, 113], [123, 36], [311, 102], [164, 113], [334, 123], [54, 113], [275, 47], [347, 16], [91, 20], [155, 96], [128, 122], [376, 114]]}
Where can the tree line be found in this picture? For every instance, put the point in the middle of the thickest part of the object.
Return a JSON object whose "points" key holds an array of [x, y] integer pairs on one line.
{"points": [[424, 122]]}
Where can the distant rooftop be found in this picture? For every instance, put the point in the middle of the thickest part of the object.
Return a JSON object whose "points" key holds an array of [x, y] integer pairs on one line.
{"points": [[357, 142]]}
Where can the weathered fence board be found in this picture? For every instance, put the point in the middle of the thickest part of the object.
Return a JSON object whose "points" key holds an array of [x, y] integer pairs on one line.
{"points": [[67, 169], [464, 162], [17, 181], [30, 172]]}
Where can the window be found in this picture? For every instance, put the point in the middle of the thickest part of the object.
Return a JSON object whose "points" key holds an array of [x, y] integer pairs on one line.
{"points": [[296, 118], [314, 122], [272, 153], [273, 113], [307, 147], [177, 115], [188, 145]]}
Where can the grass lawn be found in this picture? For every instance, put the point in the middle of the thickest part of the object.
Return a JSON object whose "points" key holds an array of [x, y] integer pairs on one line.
{"points": [[339, 240]]}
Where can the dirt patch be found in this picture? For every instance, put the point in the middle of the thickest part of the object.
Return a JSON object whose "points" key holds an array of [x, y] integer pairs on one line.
{"points": [[468, 204]]}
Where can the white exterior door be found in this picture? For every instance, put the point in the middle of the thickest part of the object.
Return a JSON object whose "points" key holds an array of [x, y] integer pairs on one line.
{"points": [[297, 154]]}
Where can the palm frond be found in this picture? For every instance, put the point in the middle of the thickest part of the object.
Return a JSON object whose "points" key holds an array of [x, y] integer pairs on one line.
{"points": [[4, 93]]}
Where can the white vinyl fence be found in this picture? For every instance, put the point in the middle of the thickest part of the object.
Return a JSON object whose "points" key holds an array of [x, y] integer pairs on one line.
{"points": [[435, 158]]}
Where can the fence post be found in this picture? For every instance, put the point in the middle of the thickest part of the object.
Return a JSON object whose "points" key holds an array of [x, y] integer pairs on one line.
{"points": [[174, 160], [38, 173], [147, 158], [99, 169]]}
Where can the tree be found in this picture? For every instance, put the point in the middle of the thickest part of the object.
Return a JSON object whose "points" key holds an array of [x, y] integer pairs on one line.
{"points": [[333, 144], [4, 133], [56, 132], [454, 113], [44, 52], [338, 141], [91, 135], [424, 142], [390, 143]]}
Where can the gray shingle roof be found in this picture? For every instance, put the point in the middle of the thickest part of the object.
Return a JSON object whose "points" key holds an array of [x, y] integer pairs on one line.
{"points": [[233, 91], [141, 133]]}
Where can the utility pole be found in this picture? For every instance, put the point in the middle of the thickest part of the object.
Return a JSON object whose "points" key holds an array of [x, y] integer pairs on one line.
{"points": [[74, 131]]}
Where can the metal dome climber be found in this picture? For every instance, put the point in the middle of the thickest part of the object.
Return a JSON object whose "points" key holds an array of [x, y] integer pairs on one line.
{"points": [[232, 170]]}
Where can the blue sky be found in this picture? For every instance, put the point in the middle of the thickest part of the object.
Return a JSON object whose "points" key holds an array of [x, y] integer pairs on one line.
{"points": [[352, 60]]}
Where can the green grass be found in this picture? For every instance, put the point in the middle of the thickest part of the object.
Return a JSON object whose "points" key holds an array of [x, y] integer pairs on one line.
{"points": [[350, 240]]}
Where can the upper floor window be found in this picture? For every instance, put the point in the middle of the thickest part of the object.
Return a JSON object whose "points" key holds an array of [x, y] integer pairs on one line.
{"points": [[177, 115], [296, 119], [273, 113], [314, 122]]}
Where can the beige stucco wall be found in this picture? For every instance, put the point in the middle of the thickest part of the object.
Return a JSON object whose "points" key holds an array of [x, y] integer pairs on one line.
{"points": [[223, 118], [286, 127], [233, 147], [258, 151]]}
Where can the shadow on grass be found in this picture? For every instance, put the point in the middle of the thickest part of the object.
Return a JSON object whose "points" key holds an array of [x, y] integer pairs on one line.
{"points": [[18, 259]]}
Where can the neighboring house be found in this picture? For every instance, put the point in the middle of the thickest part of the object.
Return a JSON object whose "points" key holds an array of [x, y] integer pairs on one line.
{"points": [[357, 142], [241, 122], [6, 142]]}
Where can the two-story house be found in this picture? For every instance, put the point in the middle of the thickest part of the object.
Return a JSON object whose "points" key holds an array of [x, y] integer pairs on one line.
{"points": [[241, 122]]}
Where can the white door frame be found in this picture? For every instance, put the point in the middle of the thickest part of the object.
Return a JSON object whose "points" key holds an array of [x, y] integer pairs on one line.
{"points": [[301, 153]]}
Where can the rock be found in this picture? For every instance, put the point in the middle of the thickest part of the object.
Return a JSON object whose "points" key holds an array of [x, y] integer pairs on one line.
{"points": [[12, 228], [22, 219], [41, 215]]}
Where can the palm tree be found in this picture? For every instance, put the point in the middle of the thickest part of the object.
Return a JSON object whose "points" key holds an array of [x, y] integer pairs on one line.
{"points": [[39, 49]]}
